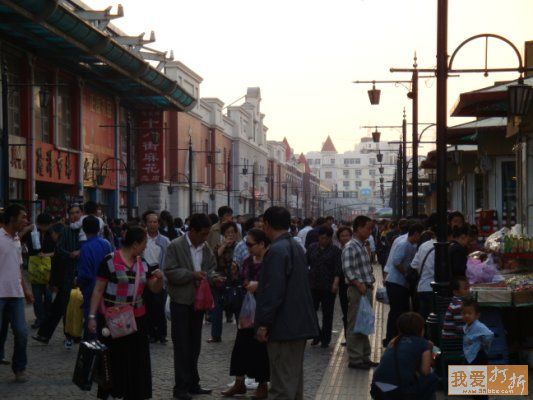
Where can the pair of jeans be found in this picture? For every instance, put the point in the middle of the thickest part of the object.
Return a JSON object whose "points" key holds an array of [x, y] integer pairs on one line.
{"points": [[14, 308], [186, 332], [155, 312], [324, 299], [57, 311], [343, 299], [3, 334], [399, 297], [42, 303]]}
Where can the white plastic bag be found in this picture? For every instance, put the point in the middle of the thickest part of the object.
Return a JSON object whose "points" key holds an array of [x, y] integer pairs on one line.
{"points": [[247, 314], [35, 239], [364, 322], [167, 308]]}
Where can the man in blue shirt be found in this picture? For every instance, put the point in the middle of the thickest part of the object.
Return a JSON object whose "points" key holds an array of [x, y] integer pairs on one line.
{"points": [[397, 287], [92, 252]]}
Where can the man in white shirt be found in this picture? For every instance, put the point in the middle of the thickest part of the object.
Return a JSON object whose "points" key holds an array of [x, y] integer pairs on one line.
{"points": [[154, 255], [303, 232], [13, 287], [89, 208], [424, 263]]}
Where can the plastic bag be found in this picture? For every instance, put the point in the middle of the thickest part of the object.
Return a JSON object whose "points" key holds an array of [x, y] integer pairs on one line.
{"points": [[481, 272], [167, 308], [203, 299], [39, 269], [74, 314], [495, 241], [247, 314], [364, 322]]}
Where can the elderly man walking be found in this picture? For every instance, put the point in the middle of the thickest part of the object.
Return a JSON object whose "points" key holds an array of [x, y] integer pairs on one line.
{"points": [[357, 269], [285, 316]]}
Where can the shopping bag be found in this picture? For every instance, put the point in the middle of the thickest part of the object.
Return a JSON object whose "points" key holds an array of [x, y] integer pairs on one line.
{"points": [[74, 314], [89, 355], [102, 369], [39, 269], [364, 322], [247, 314], [167, 308], [203, 298]]}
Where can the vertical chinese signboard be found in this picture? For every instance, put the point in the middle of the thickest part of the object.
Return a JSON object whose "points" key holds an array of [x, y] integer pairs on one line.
{"points": [[149, 151]]}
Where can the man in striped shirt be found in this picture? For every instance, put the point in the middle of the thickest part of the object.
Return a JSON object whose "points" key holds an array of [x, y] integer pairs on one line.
{"points": [[357, 269], [452, 327]]}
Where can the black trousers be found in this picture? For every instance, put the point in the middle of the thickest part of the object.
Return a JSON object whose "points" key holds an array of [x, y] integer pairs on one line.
{"points": [[155, 311], [343, 299], [399, 303], [326, 300], [186, 330], [57, 311]]}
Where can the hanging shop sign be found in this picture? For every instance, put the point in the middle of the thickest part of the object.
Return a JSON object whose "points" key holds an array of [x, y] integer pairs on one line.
{"points": [[150, 158], [17, 157], [54, 165]]}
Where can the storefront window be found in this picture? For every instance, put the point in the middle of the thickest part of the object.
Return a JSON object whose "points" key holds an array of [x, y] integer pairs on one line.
{"points": [[64, 116], [41, 124], [508, 193]]}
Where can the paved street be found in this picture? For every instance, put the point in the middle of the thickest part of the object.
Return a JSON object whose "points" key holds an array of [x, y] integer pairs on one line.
{"points": [[50, 367]]}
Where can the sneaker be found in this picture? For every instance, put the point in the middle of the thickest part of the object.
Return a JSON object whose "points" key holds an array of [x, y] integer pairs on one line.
{"points": [[3, 361], [21, 377], [40, 339], [68, 343], [315, 342]]}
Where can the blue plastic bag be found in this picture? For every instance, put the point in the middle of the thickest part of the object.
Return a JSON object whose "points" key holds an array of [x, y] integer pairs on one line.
{"points": [[364, 322]]}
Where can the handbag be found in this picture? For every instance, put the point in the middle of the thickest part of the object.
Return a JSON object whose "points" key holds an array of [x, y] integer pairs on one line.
{"points": [[120, 320], [89, 356], [39, 269], [232, 298]]}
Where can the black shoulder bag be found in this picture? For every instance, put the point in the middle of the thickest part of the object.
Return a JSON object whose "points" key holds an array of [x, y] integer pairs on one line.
{"points": [[412, 276]]}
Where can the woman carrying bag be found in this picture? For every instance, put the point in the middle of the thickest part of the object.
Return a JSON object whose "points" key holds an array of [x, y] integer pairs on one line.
{"points": [[121, 301], [249, 357]]}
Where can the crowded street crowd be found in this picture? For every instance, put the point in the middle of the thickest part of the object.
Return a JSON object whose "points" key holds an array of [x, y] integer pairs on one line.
{"points": [[120, 282]]}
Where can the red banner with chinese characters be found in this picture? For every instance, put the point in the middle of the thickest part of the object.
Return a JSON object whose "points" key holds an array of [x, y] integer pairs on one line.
{"points": [[53, 165], [150, 151]]}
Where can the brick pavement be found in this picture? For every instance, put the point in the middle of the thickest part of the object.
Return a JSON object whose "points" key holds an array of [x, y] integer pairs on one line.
{"points": [[50, 367]]}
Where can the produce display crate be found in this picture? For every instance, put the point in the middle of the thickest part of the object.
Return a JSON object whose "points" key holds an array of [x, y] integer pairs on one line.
{"points": [[493, 296], [523, 298]]}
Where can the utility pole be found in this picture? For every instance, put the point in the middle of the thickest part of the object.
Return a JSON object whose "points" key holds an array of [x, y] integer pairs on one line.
{"points": [[404, 165], [190, 176], [129, 209], [399, 190], [5, 137], [414, 98]]}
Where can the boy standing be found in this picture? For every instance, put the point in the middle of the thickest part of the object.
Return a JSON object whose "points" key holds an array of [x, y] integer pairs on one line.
{"points": [[477, 337], [453, 325]]}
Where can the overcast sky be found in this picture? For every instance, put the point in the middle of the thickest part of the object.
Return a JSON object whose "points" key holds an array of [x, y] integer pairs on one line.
{"points": [[304, 54]]}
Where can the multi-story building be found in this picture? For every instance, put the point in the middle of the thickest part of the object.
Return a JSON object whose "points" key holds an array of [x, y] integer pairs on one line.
{"points": [[82, 99], [356, 177]]}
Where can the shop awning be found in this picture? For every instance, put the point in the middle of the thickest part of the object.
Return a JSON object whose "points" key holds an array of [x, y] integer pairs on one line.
{"points": [[468, 132], [487, 102], [52, 30]]}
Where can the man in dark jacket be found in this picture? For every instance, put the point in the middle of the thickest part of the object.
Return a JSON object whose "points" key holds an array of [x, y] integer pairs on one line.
{"points": [[285, 316], [458, 251]]}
